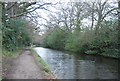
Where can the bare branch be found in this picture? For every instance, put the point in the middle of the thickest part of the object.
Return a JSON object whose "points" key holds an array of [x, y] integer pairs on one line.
{"points": [[109, 12], [26, 12], [11, 6]]}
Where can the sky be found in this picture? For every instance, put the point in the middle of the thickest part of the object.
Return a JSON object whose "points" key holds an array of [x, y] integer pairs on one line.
{"points": [[45, 13], [48, 0]]}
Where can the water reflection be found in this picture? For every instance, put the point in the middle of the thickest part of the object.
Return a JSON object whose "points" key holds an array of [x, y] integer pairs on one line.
{"points": [[78, 66]]}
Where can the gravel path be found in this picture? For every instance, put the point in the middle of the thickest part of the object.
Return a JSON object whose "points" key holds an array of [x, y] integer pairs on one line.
{"points": [[24, 67]]}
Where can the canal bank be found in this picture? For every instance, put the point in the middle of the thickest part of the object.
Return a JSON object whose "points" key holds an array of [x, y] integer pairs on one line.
{"points": [[45, 69], [92, 54], [25, 67]]}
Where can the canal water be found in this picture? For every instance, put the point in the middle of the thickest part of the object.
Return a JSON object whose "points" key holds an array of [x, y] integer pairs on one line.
{"points": [[78, 66]]}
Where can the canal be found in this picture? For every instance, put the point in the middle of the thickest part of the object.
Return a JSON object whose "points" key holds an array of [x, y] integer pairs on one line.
{"points": [[67, 65]]}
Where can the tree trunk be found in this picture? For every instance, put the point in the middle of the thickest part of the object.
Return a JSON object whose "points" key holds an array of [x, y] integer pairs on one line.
{"points": [[119, 38], [92, 17], [119, 20], [3, 13], [118, 23], [0, 13]]}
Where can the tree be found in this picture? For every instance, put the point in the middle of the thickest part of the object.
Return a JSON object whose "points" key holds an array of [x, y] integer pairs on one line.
{"points": [[119, 20], [102, 12], [97, 38], [119, 28]]}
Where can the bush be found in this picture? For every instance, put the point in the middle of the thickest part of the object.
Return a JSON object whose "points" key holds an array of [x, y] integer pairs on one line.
{"points": [[106, 42], [14, 35], [79, 41], [55, 39], [73, 42], [103, 42]]}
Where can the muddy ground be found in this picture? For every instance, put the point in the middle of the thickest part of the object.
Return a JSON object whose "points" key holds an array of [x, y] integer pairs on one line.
{"points": [[23, 67]]}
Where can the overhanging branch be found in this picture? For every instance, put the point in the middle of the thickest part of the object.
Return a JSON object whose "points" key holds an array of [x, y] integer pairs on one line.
{"points": [[22, 14]]}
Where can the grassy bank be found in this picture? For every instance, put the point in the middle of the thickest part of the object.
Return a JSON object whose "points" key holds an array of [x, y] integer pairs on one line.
{"points": [[45, 69]]}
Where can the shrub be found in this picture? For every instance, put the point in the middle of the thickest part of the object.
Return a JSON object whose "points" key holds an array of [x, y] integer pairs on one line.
{"points": [[79, 41], [14, 35], [55, 39]]}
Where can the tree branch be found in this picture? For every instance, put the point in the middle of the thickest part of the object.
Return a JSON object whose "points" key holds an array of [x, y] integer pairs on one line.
{"points": [[11, 6], [22, 14], [109, 12]]}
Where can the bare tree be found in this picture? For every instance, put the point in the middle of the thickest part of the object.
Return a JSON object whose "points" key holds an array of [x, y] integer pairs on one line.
{"points": [[15, 9], [102, 9], [119, 21]]}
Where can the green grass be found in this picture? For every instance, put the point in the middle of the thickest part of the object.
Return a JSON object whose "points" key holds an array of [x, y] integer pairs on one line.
{"points": [[44, 65], [40, 61], [38, 56], [11, 53], [91, 52], [43, 62], [47, 69], [32, 50]]}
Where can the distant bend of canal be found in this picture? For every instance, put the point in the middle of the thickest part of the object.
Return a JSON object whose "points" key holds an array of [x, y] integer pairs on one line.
{"points": [[78, 66]]}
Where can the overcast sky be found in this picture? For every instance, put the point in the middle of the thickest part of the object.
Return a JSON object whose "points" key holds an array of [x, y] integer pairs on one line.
{"points": [[44, 13]]}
